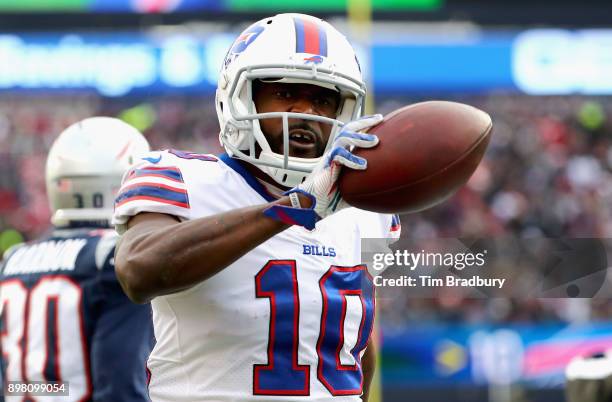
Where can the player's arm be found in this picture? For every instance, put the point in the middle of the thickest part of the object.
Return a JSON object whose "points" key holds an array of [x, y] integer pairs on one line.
{"points": [[159, 255], [368, 365]]}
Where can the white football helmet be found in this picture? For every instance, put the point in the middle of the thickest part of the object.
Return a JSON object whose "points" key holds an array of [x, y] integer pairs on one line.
{"points": [[290, 48], [85, 166]]}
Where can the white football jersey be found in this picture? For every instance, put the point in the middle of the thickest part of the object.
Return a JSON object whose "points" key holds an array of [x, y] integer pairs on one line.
{"points": [[288, 321]]}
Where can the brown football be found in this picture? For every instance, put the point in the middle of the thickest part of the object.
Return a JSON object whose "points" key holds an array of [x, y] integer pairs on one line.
{"points": [[427, 151]]}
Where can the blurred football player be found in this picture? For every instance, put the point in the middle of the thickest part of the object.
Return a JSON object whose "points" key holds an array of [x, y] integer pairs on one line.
{"points": [[251, 259], [590, 379], [64, 315]]}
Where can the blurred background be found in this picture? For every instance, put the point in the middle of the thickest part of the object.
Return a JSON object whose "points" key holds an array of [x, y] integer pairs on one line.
{"points": [[542, 69]]}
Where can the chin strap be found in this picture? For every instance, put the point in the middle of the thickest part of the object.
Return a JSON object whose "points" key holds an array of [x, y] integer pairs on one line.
{"points": [[284, 177], [295, 214]]}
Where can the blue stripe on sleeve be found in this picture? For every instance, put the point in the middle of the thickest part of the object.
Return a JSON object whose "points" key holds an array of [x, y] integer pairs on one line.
{"points": [[158, 193], [169, 173]]}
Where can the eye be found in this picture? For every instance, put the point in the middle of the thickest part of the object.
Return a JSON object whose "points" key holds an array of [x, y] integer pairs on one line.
{"points": [[327, 102], [323, 101], [283, 94]]}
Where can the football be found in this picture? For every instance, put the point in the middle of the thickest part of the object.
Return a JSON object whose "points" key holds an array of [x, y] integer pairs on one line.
{"points": [[427, 151]]}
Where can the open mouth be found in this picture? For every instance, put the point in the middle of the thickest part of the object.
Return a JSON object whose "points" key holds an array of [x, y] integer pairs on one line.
{"points": [[302, 137]]}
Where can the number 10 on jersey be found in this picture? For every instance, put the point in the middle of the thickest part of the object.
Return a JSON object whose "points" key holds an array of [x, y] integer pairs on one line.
{"points": [[283, 375]]}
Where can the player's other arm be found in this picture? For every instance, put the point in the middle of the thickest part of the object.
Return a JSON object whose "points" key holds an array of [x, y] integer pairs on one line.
{"points": [[159, 255], [368, 365]]}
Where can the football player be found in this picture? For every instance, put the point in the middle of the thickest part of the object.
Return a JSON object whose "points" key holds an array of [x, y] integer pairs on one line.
{"points": [[65, 317], [252, 259]]}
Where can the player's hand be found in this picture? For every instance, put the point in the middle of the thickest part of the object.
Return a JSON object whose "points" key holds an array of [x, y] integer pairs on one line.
{"points": [[320, 185], [322, 182]]}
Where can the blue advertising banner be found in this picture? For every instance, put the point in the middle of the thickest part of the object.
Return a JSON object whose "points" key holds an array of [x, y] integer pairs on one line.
{"points": [[474, 65], [110, 64], [535, 62]]}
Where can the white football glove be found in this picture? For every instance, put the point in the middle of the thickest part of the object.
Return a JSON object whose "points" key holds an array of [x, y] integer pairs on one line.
{"points": [[321, 183]]}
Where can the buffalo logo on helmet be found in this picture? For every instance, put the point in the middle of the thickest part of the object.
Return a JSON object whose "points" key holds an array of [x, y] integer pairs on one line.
{"points": [[314, 59], [242, 42]]}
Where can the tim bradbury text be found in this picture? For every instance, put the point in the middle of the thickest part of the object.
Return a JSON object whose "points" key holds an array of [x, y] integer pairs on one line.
{"points": [[429, 281]]}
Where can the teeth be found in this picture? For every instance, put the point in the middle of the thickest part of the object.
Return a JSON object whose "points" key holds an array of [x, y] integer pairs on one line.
{"points": [[297, 136]]}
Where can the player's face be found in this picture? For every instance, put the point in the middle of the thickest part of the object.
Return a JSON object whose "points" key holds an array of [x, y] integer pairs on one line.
{"points": [[307, 138]]}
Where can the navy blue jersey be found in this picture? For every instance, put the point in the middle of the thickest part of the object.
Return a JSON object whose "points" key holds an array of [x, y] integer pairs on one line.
{"points": [[66, 318]]}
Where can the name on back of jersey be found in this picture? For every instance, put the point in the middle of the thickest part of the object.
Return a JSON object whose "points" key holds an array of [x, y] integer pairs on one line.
{"points": [[47, 256]]}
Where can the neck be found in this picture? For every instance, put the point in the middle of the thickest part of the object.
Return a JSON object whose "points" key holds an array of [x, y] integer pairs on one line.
{"points": [[269, 183]]}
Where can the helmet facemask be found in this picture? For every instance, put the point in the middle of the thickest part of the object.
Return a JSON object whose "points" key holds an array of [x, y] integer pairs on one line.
{"points": [[243, 137], [290, 48]]}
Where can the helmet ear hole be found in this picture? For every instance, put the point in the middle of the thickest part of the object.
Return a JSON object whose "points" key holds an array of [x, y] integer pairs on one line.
{"points": [[269, 22], [221, 106]]}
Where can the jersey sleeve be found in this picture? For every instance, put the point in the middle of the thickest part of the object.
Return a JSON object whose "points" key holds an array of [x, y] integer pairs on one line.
{"points": [[156, 184]]}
